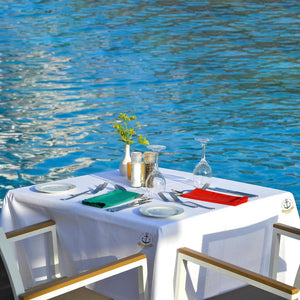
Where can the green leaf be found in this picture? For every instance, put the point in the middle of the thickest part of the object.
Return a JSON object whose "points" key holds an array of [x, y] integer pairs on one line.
{"points": [[128, 133]]}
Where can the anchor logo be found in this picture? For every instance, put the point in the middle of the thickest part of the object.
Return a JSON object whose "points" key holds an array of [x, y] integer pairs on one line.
{"points": [[287, 205], [146, 240]]}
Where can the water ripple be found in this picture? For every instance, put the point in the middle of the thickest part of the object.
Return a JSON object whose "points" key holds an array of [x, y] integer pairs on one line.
{"points": [[229, 70]]}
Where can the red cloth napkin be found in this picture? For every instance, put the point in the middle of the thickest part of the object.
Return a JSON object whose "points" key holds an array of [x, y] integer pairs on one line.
{"points": [[209, 196]]}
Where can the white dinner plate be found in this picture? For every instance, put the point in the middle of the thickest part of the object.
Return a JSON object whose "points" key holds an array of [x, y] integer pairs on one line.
{"points": [[161, 211], [54, 187]]}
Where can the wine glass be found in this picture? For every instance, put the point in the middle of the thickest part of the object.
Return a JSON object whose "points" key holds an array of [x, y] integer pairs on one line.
{"points": [[156, 181], [202, 172]]}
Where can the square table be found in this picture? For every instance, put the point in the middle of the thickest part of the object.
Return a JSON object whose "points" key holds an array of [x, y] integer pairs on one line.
{"points": [[90, 236]]}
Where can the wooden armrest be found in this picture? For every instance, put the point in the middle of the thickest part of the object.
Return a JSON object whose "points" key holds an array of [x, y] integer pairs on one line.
{"points": [[76, 279], [29, 228], [240, 271], [287, 228], [46, 285]]}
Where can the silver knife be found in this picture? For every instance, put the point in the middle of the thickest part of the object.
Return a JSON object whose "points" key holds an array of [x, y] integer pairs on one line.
{"points": [[128, 205], [231, 191]]}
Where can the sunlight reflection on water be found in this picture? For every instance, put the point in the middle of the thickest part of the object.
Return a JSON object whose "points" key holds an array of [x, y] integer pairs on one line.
{"points": [[226, 70]]}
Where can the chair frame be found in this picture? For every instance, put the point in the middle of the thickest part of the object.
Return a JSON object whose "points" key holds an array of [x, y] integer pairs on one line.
{"points": [[65, 284], [278, 231], [263, 282]]}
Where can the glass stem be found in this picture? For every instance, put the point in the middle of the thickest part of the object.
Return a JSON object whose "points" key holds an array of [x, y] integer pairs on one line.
{"points": [[203, 151], [156, 161]]}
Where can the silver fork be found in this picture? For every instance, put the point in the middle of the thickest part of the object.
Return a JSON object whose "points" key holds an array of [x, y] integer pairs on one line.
{"points": [[179, 193], [99, 188], [187, 203], [119, 187]]}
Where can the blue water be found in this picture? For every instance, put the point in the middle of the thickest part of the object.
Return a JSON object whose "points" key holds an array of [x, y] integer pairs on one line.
{"points": [[229, 70]]}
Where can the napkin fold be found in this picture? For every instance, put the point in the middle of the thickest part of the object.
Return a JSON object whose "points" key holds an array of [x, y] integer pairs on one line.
{"points": [[214, 197], [115, 197]]}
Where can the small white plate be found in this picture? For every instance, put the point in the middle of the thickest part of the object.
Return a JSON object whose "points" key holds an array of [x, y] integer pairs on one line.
{"points": [[54, 187], [161, 211]]}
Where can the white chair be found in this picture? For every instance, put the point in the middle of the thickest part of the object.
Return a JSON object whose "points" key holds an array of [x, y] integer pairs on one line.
{"points": [[65, 288], [269, 284]]}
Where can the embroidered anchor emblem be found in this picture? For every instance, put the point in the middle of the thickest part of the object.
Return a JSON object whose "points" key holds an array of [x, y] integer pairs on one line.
{"points": [[145, 240], [287, 205]]}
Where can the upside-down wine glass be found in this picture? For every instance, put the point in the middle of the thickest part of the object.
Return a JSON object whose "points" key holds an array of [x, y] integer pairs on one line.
{"points": [[202, 172], [155, 182]]}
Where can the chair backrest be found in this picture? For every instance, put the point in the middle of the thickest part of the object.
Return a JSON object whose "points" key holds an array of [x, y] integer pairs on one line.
{"points": [[11, 266], [263, 282], [278, 231], [8, 257]]}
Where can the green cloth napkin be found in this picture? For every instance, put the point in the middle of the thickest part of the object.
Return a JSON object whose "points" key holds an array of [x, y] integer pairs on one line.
{"points": [[115, 197]]}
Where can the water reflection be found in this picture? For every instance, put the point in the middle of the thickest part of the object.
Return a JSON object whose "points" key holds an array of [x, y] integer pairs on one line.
{"points": [[227, 70]]}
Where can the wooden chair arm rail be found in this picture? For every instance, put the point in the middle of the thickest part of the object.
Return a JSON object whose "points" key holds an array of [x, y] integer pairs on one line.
{"points": [[29, 228], [240, 271], [63, 282], [287, 228]]}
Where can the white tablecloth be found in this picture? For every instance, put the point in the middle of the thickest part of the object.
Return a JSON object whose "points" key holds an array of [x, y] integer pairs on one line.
{"points": [[89, 236]]}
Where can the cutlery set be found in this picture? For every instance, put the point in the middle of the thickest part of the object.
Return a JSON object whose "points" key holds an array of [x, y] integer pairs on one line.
{"points": [[135, 203], [217, 189], [185, 203], [176, 199], [189, 203]]}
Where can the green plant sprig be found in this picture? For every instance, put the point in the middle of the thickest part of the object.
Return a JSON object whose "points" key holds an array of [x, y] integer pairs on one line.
{"points": [[126, 133]]}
